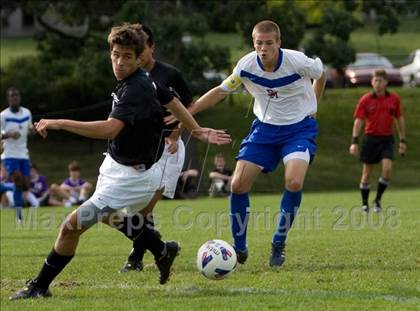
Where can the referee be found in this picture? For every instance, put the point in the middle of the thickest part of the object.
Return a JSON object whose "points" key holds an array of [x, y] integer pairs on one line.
{"points": [[378, 110]]}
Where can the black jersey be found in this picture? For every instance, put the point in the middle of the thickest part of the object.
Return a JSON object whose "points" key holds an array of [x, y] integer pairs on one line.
{"points": [[138, 102], [170, 77]]}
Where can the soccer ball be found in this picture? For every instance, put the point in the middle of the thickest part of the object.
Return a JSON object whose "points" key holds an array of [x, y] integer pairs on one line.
{"points": [[216, 259]]}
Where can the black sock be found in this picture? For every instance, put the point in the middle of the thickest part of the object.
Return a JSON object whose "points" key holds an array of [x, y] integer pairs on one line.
{"points": [[364, 190], [132, 226], [382, 184], [139, 245], [52, 267], [153, 243]]}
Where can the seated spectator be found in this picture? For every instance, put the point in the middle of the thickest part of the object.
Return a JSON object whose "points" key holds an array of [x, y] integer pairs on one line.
{"points": [[220, 177], [6, 188], [73, 190], [38, 193], [187, 184]]}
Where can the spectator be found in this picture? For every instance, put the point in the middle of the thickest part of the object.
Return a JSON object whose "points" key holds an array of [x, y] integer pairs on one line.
{"points": [[6, 188], [73, 190], [38, 193], [220, 177]]}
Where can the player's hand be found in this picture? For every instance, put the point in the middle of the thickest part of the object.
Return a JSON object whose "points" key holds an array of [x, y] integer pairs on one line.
{"points": [[170, 119], [354, 150], [46, 124], [402, 148], [172, 145], [216, 137], [13, 135]]}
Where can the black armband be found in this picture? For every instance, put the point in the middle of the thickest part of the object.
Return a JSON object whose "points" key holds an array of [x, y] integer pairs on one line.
{"points": [[355, 140], [403, 141]]}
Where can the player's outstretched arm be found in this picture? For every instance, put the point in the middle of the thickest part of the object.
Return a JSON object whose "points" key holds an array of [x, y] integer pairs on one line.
{"points": [[207, 135], [105, 129], [206, 101]]}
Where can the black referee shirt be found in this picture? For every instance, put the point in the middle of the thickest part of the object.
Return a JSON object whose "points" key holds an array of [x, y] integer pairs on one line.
{"points": [[138, 103]]}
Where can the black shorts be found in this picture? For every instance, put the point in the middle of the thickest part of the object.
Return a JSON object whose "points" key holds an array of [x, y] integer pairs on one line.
{"points": [[376, 148]]}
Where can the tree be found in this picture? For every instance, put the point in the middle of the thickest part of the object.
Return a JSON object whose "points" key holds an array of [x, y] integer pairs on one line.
{"points": [[73, 67]]}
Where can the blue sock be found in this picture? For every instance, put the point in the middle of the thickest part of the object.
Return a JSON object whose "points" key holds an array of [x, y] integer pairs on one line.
{"points": [[288, 209], [239, 216], [17, 197]]}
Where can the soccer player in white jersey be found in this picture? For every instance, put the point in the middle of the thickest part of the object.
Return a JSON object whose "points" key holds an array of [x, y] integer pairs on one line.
{"points": [[16, 125], [284, 129]]}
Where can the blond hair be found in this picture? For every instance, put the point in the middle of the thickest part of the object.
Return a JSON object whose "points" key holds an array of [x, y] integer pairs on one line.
{"points": [[267, 27]]}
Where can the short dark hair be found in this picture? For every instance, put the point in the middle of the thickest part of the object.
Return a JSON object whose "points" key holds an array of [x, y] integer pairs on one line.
{"points": [[150, 37], [380, 73], [128, 36], [73, 166]]}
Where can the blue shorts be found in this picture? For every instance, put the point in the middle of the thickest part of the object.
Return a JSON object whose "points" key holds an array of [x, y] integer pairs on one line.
{"points": [[14, 164], [267, 144]]}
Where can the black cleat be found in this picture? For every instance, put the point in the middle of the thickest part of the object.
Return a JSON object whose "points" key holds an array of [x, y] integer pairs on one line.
{"points": [[31, 290], [132, 266], [278, 254], [164, 264], [377, 207], [365, 208], [241, 256]]}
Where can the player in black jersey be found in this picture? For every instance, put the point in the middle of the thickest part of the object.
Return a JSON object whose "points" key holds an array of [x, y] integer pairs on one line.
{"points": [[174, 153], [130, 173]]}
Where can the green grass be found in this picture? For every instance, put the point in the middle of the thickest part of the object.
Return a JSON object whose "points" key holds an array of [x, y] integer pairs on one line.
{"points": [[15, 47], [337, 258]]}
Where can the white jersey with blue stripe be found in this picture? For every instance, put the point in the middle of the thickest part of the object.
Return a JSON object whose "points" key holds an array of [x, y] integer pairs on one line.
{"points": [[284, 96], [16, 122]]}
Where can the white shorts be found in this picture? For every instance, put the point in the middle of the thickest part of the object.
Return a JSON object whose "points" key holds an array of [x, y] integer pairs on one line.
{"points": [[125, 188], [172, 168]]}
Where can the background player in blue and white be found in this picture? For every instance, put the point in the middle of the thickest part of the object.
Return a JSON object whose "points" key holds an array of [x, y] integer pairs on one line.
{"points": [[16, 125], [284, 128]]}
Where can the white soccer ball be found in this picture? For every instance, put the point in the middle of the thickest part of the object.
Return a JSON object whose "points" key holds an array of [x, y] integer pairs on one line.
{"points": [[216, 259]]}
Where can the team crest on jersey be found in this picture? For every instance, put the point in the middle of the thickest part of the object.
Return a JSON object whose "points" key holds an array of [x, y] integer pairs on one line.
{"points": [[272, 93]]}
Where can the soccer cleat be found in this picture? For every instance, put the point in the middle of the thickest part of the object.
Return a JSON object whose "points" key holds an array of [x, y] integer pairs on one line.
{"points": [[132, 266], [377, 207], [241, 256], [365, 208], [31, 290], [164, 264], [278, 254]]}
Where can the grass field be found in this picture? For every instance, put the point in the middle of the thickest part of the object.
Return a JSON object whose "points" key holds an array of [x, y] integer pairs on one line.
{"points": [[337, 258]]}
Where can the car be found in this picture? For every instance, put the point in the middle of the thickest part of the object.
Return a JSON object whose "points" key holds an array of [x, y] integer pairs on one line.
{"points": [[410, 73], [360, 72]]}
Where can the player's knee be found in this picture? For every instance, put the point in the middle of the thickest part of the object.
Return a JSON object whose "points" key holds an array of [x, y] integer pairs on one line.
{"points": [[54, 188], [239, 187], [294, 184], [70, 230]]}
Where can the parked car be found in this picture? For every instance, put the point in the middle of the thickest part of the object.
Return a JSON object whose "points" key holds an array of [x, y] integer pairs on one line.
{"points": [[410, 73], [360, 72]]}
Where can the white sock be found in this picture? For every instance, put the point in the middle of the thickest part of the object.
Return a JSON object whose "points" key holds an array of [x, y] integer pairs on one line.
{"points": [[33, 201]]}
